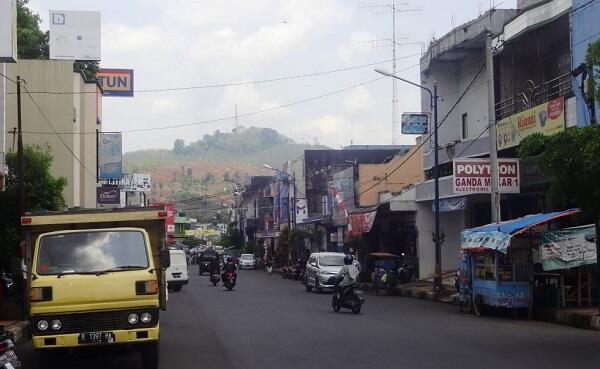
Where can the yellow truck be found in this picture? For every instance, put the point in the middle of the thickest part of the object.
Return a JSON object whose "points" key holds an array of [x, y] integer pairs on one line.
{"points": [[96, 278]]}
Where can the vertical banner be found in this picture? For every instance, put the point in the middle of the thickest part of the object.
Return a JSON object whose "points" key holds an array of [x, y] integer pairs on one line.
{"points": [[110, 156]]}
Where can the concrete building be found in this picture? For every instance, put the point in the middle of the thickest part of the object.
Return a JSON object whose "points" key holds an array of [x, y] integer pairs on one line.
{"points": [[453, 61], [67, 122]]}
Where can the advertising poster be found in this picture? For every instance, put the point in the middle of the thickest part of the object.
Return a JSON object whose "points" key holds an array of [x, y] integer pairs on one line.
{"points": [[473, 176], [547, 118], [108, 195], [116, 82], [568, 248], [414, 123], [110, 156]]}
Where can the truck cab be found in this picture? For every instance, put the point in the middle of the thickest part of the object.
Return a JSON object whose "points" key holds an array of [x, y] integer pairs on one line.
{"points": [[96, 278]]}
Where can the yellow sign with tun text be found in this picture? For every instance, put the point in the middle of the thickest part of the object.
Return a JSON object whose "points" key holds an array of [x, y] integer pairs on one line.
{"points": [[547, 118]]}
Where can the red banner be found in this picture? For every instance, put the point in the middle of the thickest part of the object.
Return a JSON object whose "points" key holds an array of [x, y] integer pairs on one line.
{"points": [[361, 223]]}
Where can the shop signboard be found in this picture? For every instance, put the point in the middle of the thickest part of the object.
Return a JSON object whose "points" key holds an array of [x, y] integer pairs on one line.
{"points": [[110, 156], [568, 248], [116, 82], [136, 182], [75, 35], [108, 195], [547, 118], [473, 176], [8, 31], [414, 123]]}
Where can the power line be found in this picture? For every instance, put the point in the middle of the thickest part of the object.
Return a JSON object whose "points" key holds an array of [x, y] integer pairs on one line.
{"points": [[232, 84]]}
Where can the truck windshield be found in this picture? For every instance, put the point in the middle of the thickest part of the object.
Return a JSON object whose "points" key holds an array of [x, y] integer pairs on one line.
{"points": [[93, 251]]}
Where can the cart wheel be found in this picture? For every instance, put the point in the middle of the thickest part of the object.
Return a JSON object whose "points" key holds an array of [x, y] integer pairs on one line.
{"points": [[478, 305]]}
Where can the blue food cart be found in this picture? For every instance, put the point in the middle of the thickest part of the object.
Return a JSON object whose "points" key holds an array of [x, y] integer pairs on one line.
{"points": [[496, 266]]}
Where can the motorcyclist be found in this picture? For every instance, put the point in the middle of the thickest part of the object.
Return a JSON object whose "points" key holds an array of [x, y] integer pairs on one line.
{"points": [[214, 267], [229, 267], [348, 275]]}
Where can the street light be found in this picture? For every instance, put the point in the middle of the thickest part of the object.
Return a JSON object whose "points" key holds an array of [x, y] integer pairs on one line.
{"points": [[437, 281]]}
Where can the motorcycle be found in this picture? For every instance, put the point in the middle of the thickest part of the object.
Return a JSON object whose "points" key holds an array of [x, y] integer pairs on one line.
{"points": [[8, 358], [229, 280], [7, 284], [349, 297], [214, 279], [406, 271]]}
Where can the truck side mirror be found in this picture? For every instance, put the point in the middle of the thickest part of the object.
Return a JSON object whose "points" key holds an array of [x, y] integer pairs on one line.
{"points": [[165, 258]]}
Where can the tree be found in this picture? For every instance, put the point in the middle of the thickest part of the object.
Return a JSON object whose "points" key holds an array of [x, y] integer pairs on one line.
{"points": [[44, 192], [233, 237], [32, 43], [571, 159], [178, 146], [592, 59]]}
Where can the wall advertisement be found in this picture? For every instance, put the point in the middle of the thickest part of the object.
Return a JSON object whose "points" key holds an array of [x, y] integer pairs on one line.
{"points": [[568, 248], [116, 82], [473, 176], [108, 195], [110, 156], [547, 118]]}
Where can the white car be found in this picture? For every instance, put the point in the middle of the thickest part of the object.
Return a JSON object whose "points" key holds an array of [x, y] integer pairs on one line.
{"points": [[177, 273], [247, 261]]}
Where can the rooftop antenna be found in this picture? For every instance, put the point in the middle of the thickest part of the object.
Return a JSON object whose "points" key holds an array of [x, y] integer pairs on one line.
{"points": [[237, 123], [394, 8]]}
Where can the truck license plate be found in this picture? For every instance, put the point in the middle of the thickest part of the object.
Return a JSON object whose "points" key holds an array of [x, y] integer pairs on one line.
{"points": [[96, 337]]}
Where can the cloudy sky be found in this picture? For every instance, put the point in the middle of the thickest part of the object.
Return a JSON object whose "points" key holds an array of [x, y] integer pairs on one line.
{"points": [[183, 43]]}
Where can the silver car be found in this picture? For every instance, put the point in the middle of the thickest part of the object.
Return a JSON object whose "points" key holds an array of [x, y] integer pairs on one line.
{"points": [[247, 261], [321, 269]]}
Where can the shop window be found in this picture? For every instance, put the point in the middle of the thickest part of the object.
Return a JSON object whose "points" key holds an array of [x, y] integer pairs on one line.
{"points": [[505, 267], [485, 268]]}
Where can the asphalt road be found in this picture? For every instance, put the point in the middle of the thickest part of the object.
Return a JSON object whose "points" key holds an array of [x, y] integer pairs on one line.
{"points": [[273, 323]]}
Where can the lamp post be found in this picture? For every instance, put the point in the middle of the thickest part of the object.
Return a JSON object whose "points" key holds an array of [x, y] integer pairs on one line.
{"points": [[291, 210], [433, 96]]}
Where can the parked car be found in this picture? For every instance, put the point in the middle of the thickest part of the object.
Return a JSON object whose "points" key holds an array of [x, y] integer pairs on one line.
{"points": [[321, 269], [247, 261], [177, 273]]}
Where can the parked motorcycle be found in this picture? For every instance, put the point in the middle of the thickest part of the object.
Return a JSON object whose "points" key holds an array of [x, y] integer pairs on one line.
{"points": [[7, 284], [406, 270], [214, 279], [229, 280], [8, 358], [348, 297]]}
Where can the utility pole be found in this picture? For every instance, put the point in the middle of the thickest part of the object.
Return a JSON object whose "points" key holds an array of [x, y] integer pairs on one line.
{"points": [[395, 127], [437, 278], [20, 159], [495, 200]]}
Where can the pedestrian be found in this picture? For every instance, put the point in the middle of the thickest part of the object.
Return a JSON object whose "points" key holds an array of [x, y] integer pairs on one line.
{"points": [[269, 265]]}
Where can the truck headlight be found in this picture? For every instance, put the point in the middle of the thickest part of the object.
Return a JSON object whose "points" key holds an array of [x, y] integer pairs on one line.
{"points": [[132, 318], [42, 325], [56, 324], [146, 287], [146, 318]]}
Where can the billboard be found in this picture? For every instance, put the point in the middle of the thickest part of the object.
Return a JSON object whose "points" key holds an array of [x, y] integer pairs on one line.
{"points": [[116, 82], [136, 182], [8, 31], [547, 118], [75, 35], [414, 123], [200, 232], [473, 176], [108, 195], [110, 155]]}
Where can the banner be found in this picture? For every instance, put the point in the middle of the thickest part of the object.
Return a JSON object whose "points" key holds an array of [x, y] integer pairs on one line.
{"points": [[547, 118], [108, 195], [568, 248], [452, 204], [110, 155], [489, 240], [116, 82], [200, 232], [361, 223], [473, 176]]}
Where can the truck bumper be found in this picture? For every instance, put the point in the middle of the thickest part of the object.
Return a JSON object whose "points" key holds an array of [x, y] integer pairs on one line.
{"points": [[131, 336], [177, 282]]}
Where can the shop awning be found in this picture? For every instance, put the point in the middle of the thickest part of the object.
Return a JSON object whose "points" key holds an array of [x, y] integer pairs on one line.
{"points": [[497, 236]]}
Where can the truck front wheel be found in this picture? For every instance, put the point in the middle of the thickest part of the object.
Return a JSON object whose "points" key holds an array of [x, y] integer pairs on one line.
{"points": [[150, 355]]}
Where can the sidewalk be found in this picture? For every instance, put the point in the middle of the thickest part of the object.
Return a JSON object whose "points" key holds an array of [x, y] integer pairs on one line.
{"points": [[18, 329]]}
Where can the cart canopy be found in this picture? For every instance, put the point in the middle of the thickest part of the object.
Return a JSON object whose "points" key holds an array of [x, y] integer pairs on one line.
{"points": [[497, 236]]}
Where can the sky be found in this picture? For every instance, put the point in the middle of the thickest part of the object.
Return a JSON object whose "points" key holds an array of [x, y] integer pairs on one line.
{"points": [[184, 43]]}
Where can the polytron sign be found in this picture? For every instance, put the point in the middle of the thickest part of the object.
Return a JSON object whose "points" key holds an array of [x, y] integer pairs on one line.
{"points": [[116, 82], [473, 176]]}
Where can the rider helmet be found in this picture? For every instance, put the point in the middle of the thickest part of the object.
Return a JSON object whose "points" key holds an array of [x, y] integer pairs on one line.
{"points": [[348, 259]]}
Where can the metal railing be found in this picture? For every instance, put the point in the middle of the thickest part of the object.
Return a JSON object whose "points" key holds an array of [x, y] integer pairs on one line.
{"points": [[533, 95]]}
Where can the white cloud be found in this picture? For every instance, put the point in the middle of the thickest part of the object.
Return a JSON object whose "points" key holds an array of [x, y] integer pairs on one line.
{"points": [[359, 101], [356, 44]]}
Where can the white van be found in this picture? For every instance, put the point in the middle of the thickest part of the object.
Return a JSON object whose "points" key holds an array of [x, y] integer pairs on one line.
{"points": [[177, 273]]}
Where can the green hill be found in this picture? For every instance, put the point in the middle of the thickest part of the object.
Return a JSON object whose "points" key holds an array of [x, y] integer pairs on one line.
{"points": [[251, 145]]}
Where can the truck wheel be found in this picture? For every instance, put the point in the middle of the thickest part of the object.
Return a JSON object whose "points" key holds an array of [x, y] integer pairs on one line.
{"points": [[177, 288], [150, 355]]}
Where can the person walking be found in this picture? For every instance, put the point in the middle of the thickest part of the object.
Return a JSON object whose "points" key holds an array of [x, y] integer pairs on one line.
{"points": [[269, 265]]}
